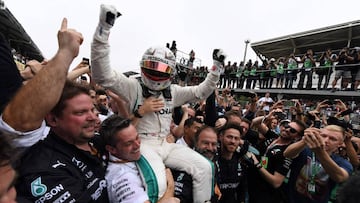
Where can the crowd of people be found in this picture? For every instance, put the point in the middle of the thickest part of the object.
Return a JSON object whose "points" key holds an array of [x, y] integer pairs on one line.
{"points": [[109, 138], [289, 72]]}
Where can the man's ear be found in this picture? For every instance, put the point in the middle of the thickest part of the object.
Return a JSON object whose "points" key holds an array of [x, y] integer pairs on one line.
{"points": [[110, 149], [51, 120]]}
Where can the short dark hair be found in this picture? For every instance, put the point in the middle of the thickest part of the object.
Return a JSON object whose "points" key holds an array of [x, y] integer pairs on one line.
{"points": [[349, 191], [246, 121], [101, 92], [230, 113], [230, 125], [302, 126], [190, 121], [110, 126], [7, 150], [70, 90]]}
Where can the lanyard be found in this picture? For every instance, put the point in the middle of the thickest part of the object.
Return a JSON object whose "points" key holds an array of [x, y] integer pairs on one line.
{"points": [[315, 168]]}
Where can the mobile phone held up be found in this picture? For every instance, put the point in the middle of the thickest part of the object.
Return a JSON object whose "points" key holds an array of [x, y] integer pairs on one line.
{"points": [[86, 61]]}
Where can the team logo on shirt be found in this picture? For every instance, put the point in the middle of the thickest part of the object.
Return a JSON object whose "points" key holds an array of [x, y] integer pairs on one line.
{"points": [[37, 188]]}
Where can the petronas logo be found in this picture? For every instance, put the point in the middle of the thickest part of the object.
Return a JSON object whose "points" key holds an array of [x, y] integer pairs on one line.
{"points": [[37, 188]]}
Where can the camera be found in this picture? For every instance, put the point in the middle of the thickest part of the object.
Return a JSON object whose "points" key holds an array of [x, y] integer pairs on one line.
{"points": [[280, 115], [85, 61]]}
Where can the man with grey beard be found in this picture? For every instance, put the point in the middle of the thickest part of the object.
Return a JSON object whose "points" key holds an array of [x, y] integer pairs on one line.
{"points": [[206, 144]]}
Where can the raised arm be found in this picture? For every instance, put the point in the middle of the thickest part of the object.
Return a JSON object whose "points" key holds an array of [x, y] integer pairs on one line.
{"points": [[79, 70], [33, 101], [316, 143]]}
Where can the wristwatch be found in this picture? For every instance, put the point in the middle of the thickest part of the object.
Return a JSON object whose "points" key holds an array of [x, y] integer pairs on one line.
{"points": [[136, 114]]}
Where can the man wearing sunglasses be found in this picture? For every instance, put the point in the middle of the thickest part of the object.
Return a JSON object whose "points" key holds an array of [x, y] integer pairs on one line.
{"points": [[158, 66], [272, 167]]}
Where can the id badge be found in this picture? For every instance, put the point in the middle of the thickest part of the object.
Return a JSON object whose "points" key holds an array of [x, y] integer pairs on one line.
{"points": [[311, 187]]}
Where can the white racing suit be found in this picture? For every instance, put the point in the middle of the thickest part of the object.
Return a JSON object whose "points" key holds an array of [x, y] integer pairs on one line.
{"points": [[154, 127]]}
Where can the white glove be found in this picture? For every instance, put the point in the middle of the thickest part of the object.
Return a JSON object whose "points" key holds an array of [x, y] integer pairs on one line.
{"points": [[108, 15], [219, 58]]}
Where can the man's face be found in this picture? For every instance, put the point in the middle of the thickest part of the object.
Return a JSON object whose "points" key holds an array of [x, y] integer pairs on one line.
{"points": [[234, 119], [230, 140], [289, 131], [77, 121], [102, 99], [190, 131], [7, 190], [245, 127], [274, 123], [127, 146], [207, 143], [93, 96], [332, 139]]}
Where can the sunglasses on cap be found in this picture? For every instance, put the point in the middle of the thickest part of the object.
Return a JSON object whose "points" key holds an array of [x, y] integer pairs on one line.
{"points": [[291, 129], [157, 66]]}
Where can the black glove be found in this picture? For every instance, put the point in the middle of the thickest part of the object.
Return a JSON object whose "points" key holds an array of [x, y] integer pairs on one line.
{"points": [[219, 58], [219, 55]]}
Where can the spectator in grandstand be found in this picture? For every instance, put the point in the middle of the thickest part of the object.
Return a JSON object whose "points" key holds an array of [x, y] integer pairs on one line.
{"points": [[326, 61], [127, 166], [253, 75], [240, 76], [222, 81], [271, 69], [342, 70], [227, 72], [356, 67], [173, 47], [307, 70], [261, 73], [233, 78], [291, 71], [191, 59], [247, 74], [280, 74]]}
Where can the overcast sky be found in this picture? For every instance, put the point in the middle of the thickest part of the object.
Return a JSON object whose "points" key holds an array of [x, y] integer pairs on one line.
{"points": [[201, 25]]}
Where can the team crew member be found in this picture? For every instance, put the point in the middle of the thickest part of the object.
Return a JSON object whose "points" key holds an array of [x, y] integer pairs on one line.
{"points": [[58, 168], [157, 69], [229, 171], [273, 167], [64, 166], [206, 142], [124, 181]]}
